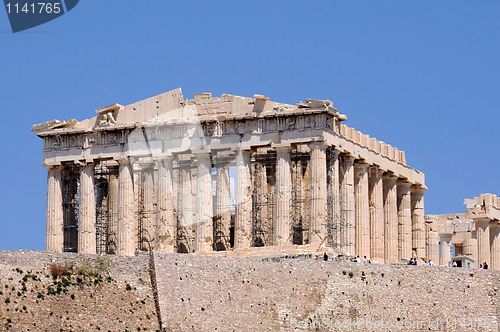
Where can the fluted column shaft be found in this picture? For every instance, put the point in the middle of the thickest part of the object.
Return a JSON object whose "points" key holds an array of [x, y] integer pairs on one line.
{"points": [[281, 219], [432, 240], [404, 221], [87, 213], [149, 218], [495, 246], [470, 248], [362, 209], [54, 236], [376, 201], [418, 221], [127, 218], [113, 196], [167, 220], [390, 218], [483, 241], [204, 204], [243, 211], [223, 207], [348, 203], [317, 229]]}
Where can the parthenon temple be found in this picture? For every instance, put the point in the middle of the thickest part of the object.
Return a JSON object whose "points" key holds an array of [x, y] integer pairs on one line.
{"points": [[230, 173]]}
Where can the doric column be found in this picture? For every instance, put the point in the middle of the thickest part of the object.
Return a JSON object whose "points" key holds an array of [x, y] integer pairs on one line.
{"points": [[281, 219], [470, 248], [404, 221], [348, 203], [204, 203], [390, 218], [167, 220], [127, 218], [149, 212], [445, 249], [54, 236], [418, 221], [483, 241], [362, 209], [113, 196], [495, 245], [317, 228], [431, 240], [243, 211], [222, 207], [333, 196], [376, 201], [87, 215]]}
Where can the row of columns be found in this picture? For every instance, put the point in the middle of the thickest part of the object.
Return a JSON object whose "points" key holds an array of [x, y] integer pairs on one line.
{"points": [[385, 214]]}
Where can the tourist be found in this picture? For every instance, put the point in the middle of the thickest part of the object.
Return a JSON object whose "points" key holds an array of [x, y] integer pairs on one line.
{"points": [[415, 261], [431, 263], [485, 266], [454, 264], [410, 262], [325, 257], [358, 260], [481, 267], [367, 260]]}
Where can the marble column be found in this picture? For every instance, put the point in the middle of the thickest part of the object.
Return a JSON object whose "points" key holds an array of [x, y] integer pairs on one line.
{"points": [[317, 228], [444, 249], [404, 221], [166, 230], [127, 217], [150, 210], [348, 203], [495, 245], [283, 197], [483, 241], [223, 207], [362, 209], [470, 248], [243, 211], [390, 219], [431, 240], [87, 212], [204, 204], [113, 197], [54, 240], [418, 221], [376, 201]]}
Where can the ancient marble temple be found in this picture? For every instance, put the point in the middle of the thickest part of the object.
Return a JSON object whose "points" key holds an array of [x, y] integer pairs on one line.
{"points": [[229, 173]]}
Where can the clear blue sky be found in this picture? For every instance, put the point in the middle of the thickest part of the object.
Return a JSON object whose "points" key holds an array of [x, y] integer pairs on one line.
{"points": [[423, 76]]}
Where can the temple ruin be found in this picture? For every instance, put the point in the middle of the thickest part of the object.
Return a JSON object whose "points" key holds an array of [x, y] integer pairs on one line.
{"points": [[229, 173], [474, 234]]}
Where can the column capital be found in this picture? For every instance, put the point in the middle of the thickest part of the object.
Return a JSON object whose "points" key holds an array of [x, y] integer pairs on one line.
{"points": [[318, 145], [403, 183], [124, 161], [418, 188], [390, 177], [53, 167], [347, 157], [283, 148]]}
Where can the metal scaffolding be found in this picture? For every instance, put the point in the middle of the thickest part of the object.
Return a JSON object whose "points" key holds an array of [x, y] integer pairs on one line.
{"points": [[106, 218], [70, 195], [301, 197], [337, 224], [263, 198]]}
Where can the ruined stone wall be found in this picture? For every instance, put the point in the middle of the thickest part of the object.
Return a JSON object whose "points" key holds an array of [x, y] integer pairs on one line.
{"points": [[202, 293], [120, 299], [199, 293]]}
